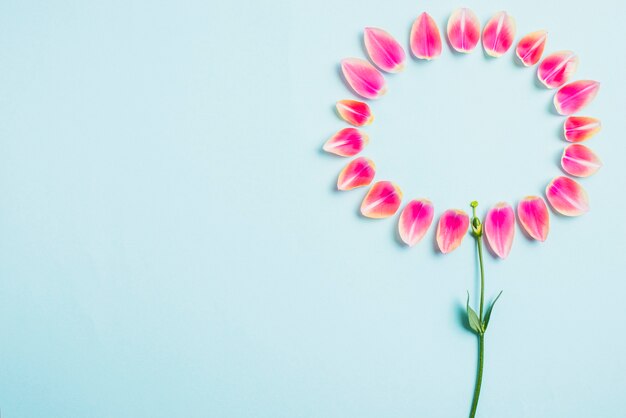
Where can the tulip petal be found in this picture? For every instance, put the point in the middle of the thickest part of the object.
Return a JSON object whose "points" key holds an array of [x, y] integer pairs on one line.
{"points": [[425, 39], [347, 142], [572, 97], [364, 79], [580, 128], [557, 68], [354, 112], [463, 30], [357, 173], [384, 50], [530, 47], [500, 229], [415, 219], [382, 200], [451, 229], [498, 34], [580, 161], [534, 217], [567, 197]]}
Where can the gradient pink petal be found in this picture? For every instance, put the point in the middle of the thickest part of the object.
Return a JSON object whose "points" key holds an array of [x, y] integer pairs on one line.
{"points": [[580, 128], [500, 229], [533, 216], [425, 39], [357, 173], [463, 30], [567, 197], [365, 80], [354, 112], [384, 50], [415, 219], [530, 48], [580, 161], [382, 200], [451, 229], [573, 97], [557, 68], [498, 34], [347, 142]]}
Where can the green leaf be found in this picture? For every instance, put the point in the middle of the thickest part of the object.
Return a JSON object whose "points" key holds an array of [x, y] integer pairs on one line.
{"points": [[488, 313], [472, 317]]}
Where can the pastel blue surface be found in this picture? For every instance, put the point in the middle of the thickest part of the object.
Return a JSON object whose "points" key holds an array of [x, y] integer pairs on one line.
{"points": [[171, 243]]}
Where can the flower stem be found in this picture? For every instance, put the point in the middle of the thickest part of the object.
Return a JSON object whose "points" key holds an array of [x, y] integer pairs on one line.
{"points": [[477, 232], [479, 375]]}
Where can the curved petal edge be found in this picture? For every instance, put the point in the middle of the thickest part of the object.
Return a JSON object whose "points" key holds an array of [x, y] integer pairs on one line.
{"points": [[580, 161], [384, 51], [567, 197], [346, 143], [498, 34], [382, 200], [463, 30], [363, 78], [425, 38], [451, 229], [534, 218], [500, 229], [357, 173], [415, 219], [530, 48]]}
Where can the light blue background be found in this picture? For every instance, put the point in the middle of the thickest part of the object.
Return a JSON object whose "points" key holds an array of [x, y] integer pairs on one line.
{"points": [[171, 243]]}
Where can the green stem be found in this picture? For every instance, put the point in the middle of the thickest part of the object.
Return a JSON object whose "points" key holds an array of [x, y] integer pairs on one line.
{"points": [[478, 234], [479, 375]]}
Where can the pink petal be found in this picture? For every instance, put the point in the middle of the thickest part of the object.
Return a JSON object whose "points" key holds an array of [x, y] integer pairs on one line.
{"points": [[530, 47], [463, 30], [425, 38], [557, 68], [364, 79], [580, 161], [572, 97], [567, 197], [382, 200], [534, 217], [415, 220], [384, 50], [347, 142], [357, 173], [580, 128], [354, 112], [500, 229], [451, 229], [498, 34]]}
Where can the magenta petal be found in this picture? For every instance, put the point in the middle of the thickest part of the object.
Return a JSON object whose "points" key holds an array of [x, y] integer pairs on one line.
{"points": [[357, 173], [415, 220], [580, 128], [567, 197], [533, 216], [498, 34], [354, 112], [451, 229], [572, 97], [384, 50], [530, 47], [364, 79], [382, 200], [347, 142], [463, 30], [500, 229], [557, 68], [580, 161], [425, 38]]}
